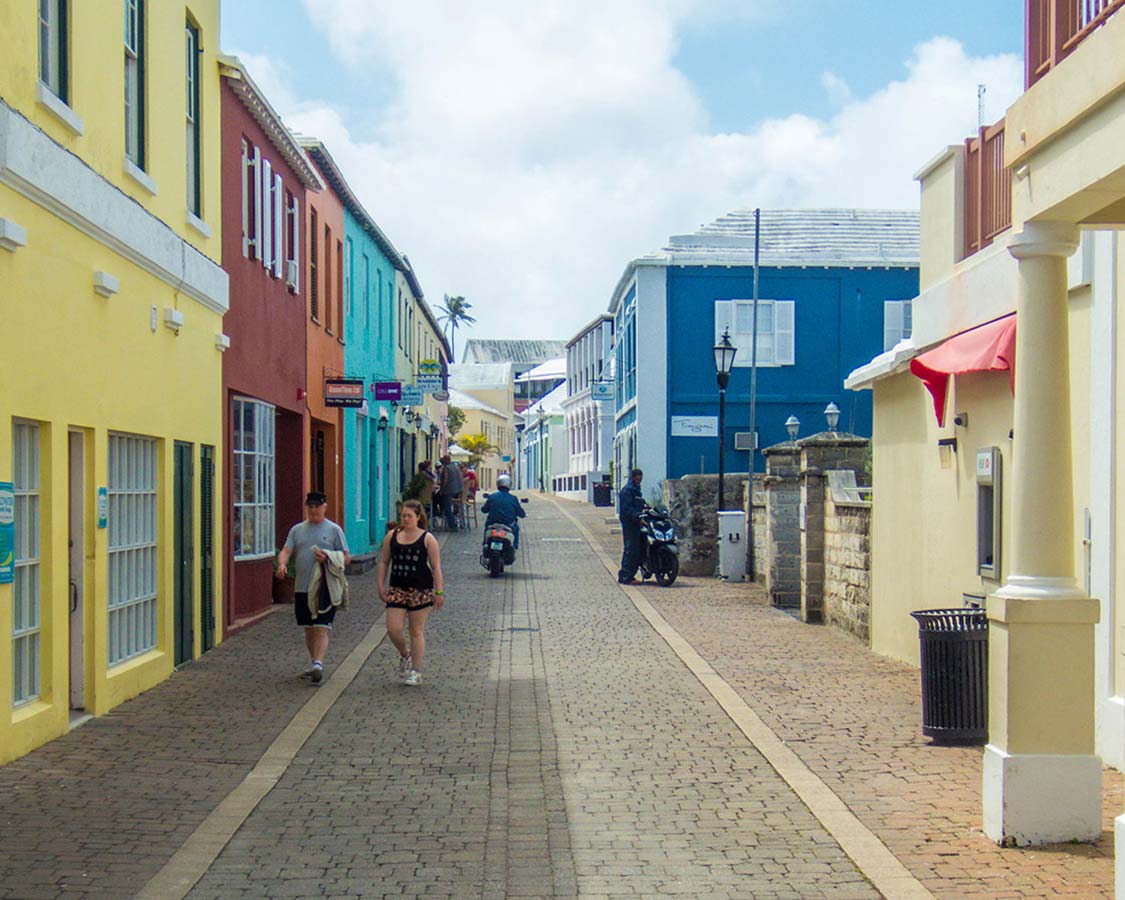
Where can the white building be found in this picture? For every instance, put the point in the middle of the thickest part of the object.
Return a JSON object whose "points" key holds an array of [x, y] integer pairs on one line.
{"points": [[544, 446], [589, 420]]}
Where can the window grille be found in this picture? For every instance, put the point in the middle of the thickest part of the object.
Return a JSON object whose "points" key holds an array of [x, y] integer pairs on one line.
{"points": [[25, 596], [133, 557], [253, 474]]}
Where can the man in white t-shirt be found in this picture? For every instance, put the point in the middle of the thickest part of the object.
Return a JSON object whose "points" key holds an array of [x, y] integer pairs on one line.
{"points": [[308, 540]]}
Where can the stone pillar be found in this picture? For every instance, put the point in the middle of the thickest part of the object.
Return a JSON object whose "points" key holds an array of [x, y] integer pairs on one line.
{"points": [[819, 453], [782, 562], [1041, 781]]}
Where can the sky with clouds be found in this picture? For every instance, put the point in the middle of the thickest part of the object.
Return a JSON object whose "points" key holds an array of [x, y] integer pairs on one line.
{"points": [[521, 152]]}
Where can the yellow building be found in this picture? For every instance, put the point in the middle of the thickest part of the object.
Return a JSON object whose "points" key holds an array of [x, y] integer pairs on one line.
{"points": [[110, 392], [1015, 495], [491, 387], [480, 418], [421, 351]]}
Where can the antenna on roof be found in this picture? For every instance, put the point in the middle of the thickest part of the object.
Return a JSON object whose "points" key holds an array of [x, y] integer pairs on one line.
{"points": [[981, 88]]}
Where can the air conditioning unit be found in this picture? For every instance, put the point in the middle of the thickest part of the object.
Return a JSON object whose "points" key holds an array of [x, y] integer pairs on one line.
{"points": [[745, 440], [291, 273]]}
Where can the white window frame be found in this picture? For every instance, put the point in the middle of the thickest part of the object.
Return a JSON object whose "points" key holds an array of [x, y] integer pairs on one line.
{"points": [[360, 471], [193, 146], [133, 557], [898, 321], [348, 280], [776, 331], [26, 615], [53, 47], [134, 82], [366, 292], [253, 507]]}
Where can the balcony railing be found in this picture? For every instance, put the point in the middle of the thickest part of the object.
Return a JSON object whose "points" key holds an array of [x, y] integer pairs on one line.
{"points": [[1053, 28], [988, 188]]}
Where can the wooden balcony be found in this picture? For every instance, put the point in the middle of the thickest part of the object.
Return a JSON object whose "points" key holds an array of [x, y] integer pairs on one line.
{"points": [[1053, 28], [988, 188]]}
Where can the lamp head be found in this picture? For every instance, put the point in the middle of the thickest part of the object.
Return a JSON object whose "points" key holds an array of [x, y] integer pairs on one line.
{"points": [[792, 425], [832, 414], [724, 358]]}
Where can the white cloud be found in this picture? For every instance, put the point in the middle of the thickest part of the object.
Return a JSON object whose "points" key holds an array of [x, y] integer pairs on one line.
{"points": [[528, 155]]}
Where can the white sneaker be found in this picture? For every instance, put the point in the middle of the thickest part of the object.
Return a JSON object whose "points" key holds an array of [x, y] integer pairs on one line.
{"points": [[308, 671], [405, 666], [412, 678], [317, 674]]}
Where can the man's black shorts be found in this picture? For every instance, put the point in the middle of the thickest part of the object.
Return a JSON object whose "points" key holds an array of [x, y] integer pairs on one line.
{"points": [[304, 617]]}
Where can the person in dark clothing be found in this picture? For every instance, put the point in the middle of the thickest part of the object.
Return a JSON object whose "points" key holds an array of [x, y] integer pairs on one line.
{"points": [[630, 505], [504, 508]]}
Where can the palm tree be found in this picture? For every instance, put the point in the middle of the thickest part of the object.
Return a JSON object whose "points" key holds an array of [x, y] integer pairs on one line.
{"points": [[454, 313]]}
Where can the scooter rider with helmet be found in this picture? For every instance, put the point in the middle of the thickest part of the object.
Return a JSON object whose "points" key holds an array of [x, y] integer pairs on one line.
{"points": [[504, 508]]}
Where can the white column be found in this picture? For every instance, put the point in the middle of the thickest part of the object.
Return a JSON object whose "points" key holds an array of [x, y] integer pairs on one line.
{"points": [[1042, 779]]}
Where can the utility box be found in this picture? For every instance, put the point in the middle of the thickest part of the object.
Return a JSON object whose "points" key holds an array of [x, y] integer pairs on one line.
{"points": [[732, 545]]}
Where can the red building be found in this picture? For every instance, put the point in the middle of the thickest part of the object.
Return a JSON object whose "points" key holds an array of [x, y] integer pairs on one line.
{"points": [[266, 178]]}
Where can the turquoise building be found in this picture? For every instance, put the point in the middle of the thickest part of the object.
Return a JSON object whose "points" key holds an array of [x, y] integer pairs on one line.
{"points": [[369, 264]]}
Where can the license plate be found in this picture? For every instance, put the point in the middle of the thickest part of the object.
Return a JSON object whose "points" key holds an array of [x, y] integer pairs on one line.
{"points": [[496, 545]]}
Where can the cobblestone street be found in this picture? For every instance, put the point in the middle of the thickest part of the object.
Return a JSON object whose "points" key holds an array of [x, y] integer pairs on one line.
{"points": [[570, 739]]}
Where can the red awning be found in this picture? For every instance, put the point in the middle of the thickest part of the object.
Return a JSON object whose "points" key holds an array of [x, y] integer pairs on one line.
{"points": [[986, 348]]}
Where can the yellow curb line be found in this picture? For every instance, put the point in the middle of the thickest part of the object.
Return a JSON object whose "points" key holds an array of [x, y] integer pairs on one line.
{"points": [[195, 856], [870, 855]]}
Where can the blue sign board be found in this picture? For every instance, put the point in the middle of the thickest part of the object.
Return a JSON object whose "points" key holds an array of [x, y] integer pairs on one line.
{"points": [[601, 390], [103, 507], [7, 532], [412, 395]]}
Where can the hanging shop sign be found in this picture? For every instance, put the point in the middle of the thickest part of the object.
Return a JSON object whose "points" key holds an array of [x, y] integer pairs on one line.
{"points": [[601, 390], [343, 392], [412, 395], [390, 391]]}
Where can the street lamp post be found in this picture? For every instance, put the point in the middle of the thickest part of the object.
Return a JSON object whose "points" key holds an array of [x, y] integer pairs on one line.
{"points": [[520, 462], [724, 359]]}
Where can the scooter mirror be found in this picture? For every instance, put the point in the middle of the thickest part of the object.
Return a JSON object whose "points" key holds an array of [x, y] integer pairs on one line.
{"points": [[484, 494], [524, 500]]}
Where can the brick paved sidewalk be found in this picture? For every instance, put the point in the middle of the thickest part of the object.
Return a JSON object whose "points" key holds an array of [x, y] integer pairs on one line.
{"points": [[97, 812], [854, 718]]}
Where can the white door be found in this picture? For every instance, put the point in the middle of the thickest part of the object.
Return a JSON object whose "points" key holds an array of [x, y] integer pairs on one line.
{"points": [[76, 588]]}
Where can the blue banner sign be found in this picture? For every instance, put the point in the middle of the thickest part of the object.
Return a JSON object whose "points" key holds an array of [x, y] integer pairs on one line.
{"points": [[7, 532]]}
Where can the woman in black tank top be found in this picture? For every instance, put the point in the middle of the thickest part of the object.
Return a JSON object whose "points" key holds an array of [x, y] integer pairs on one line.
{"points": [[411, 557]]}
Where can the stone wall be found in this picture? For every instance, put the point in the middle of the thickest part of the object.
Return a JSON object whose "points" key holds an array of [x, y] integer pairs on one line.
{"points": [[692, 502], [847, 556]]}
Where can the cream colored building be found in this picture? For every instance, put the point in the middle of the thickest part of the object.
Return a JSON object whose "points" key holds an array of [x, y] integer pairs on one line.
{"points": [[480, 418], [1049, 448]]}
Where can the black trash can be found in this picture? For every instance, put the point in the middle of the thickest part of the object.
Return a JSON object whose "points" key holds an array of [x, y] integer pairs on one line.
{"points": [[603, 494], [954, 644]]}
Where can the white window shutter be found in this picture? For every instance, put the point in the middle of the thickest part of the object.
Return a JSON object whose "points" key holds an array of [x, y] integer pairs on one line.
{"points": [[267, 215], [295, 251], [724, 319], [278, 223], [245, 199], [784, 333], [892, 323], [256, 186]]}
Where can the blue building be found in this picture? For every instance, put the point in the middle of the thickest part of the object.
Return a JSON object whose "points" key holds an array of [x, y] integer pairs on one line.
{"points": [[834, 288], [369, 264]]}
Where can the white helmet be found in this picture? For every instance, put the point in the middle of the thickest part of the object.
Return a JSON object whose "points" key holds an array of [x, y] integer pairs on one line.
{"points": [[504, 481]]}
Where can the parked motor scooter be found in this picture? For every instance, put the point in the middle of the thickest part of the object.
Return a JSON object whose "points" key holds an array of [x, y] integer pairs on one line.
{"points": [[660, 554], [499, 547]]}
